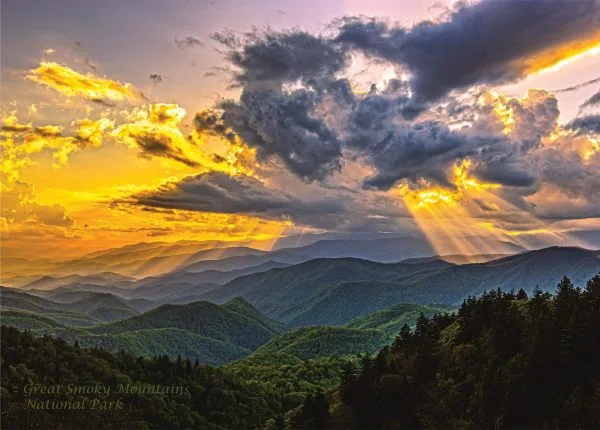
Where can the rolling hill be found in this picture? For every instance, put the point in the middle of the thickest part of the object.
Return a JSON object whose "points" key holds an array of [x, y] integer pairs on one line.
{"points": [[29, 321], [212, 333], [164, 341], [313, 342], [390, 320], [335, 291], [236, 323], [101, 279], [90, 309], [276, 292]]}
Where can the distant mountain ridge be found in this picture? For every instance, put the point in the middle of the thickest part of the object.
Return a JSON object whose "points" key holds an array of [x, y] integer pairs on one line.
{"points": [[160, 258], [334, 291], [201, 330]]}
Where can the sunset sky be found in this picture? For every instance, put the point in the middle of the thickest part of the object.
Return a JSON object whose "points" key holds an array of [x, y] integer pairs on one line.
{"points": [[144, 120]]}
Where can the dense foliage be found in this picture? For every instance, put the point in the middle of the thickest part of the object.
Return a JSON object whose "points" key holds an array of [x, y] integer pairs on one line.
{"points": [[212, 334], [391, 320], [211, 399], [503, 361], [289, 378], [312, 342]]}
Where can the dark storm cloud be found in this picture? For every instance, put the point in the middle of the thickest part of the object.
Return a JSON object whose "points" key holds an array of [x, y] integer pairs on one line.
{"points": [[188, 42], [483, 43], [592, 101], [222, 193], [410, 150], [586, 124], [503, 171], [285, 125], [280, 124], [273, 57], [215, 192], [486, 42], [430, 149], [295, 106]]}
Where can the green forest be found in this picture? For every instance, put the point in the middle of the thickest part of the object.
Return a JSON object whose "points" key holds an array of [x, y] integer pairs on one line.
{"points": [[503, 360]]}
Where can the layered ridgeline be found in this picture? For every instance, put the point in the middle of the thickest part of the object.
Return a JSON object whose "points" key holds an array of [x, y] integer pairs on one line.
{"points": [[333, 291], [211, 333], [321, 292], [504, 360], [120, 267], [201, 331], [85, 310], [336, 291]]}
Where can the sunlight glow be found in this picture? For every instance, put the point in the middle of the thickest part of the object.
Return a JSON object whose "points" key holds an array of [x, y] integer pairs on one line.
{"points": [[501, 108], [555, 59], [434, 195], [457, 220], [593, 149]]}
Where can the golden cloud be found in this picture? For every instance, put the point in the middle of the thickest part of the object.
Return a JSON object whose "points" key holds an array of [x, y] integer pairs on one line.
{"points": [[155, 130], [92, 132], [556, 57], [20, 141], [73, 84]]}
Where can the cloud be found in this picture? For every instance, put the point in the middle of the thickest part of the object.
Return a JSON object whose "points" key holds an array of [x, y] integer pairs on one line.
{"points": [[91, 132], [304, 126], [21, 207], [592, 101], [218, 192], [155, 130], [270, 58], [296, 108], [156, 78], [586, 124], [188, 42], [90, 87], [278, 124], [578, 86], [312, 130], [21, 141], [487, 42]]}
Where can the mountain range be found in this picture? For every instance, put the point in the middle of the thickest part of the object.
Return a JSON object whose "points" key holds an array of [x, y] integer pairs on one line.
{"points": [[159, 258], [312, 309], [335, 291]]}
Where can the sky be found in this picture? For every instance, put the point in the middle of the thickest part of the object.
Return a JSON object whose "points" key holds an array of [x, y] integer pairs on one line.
{"points": [[131, 121]]}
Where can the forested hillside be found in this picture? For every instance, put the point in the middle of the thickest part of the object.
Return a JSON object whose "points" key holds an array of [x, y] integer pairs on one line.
{"points": [[314, 342], [390, 320], [503, 361], [208, 399], [203, 318], [212, 334]]}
